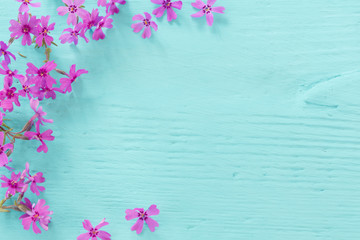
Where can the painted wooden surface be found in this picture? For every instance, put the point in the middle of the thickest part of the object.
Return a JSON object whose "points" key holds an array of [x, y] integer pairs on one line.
{"points": [[246, 130]]}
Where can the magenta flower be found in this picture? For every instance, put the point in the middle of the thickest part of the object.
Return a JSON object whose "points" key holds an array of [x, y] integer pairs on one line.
{"points": [[14, 184], [41, 137], [24, 7], [38, 213], [42, 74], [145, 22], [39, 113], [9, 74], [23, 28], [91, 20], [3, 51], [101, 3], [207, 9], [8, 96], [93, 232], [47, 92], [3, 148], [111, 7], [74, 10], [168, 6], [73, 34], [34, 180], [142, 216], [27, 89], [43, 32], [104, 23], [73, 75]]}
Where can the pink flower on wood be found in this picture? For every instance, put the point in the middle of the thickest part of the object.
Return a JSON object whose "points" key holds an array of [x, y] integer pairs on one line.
{"points": [[43, 32], [34, 180], [8, 96], [101, 3], [104, 23], [24, 7], [145, 23], [91, 20], [142, 216], [74, 10], [111, 7], [207, 9], [24, 27], [9, 74], [73, 34], [39, 113], [40, 137], [38, 213], [4, 160], [93, 232], [42, 74], [14, 184], [167, 5], [72, 76], [5, 53]]}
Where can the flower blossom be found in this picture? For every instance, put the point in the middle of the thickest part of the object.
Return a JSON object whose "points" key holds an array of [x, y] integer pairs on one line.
{"points": [[24, 27], [5, 53], [207, 9], [74, 10], [73, 34], [104, 23], [4, 147], [145, 22], [93, 232], [37, 213], [28, 89], [142, 216], [91, 20], [9, 74], [24, 7], [14, 184], [168, 6], [101, 3], [43, 32], [111, 7], [72, 76], [39, 113], [33, 180], [8, 96], [41, 137], [42, 74]]}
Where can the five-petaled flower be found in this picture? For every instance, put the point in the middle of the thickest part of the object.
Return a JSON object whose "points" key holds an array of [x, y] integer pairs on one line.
{"points": [[3, 148], [72, 76], [168, 6], [105, 22], [43, 32], [73, 7], [142, 216], [42, 74], [24, 27], [39, 113], [33, 180], [73, 34], [8, 96], [207, 9], [37, 213], [15, 184], [93, 232], [24, 7], [41, 137], [111, 7], [9, 74], [5, 53], [145, 22]]}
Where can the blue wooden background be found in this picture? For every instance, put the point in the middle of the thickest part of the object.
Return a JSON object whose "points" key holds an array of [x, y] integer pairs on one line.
{"points": [[249, 129]]}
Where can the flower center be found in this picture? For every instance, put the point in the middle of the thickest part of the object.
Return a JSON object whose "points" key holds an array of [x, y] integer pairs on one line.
{"points": [[10, 93], [26, 1], [42, 72], [1, 150], [167, 4], [45, 31], [26, 29], [72, 8], [10, 73], [75, 33], [207, 9], [146, 22], [93, 232], [142, 215], [13, 183], [36, 216]]}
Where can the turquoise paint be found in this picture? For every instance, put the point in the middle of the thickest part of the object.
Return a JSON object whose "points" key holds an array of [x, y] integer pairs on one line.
{"points": [[246, 130]]}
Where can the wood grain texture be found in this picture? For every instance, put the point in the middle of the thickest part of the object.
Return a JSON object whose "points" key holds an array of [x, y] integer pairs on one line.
{"points": [[246, 130]]}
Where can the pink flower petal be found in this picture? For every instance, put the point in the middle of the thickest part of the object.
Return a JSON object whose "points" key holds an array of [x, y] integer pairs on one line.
{"points": [[198, 4], [131, 214], [211, 2], [147, 15], [62, 10], [153, 210], [151, 224], [171, 14], [84, 236], [154, 25], [146, 33], [177, 4], [198, 14], [158, 12], [138, 226], [138, 17], [87, 225], [104, 235], [210, 19], [157, 1], [137, 26], [218, 9]]}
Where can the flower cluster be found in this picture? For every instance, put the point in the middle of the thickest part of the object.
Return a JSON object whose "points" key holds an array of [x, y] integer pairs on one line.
{"points": [[76, 12], [94, 233], [33, 213]]}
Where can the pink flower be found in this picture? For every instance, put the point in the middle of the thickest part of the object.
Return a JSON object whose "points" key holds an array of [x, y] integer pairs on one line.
{"points": [[142, 216], [14, 184], [27, 88], [93, 232], [42, 74], [23, 28], [3, 51], [43, 32], [3, 148], [8, 96], [47, 92], [168, 6], [207, 9], [41, 137], [104, 23], [91, 20], [101, 3], [111, 7], [74, 10], [145, 22], [73, 75], [34, 180], [9, 74], [39, 113], [24, 7], [38, 213], [73, 34]]}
